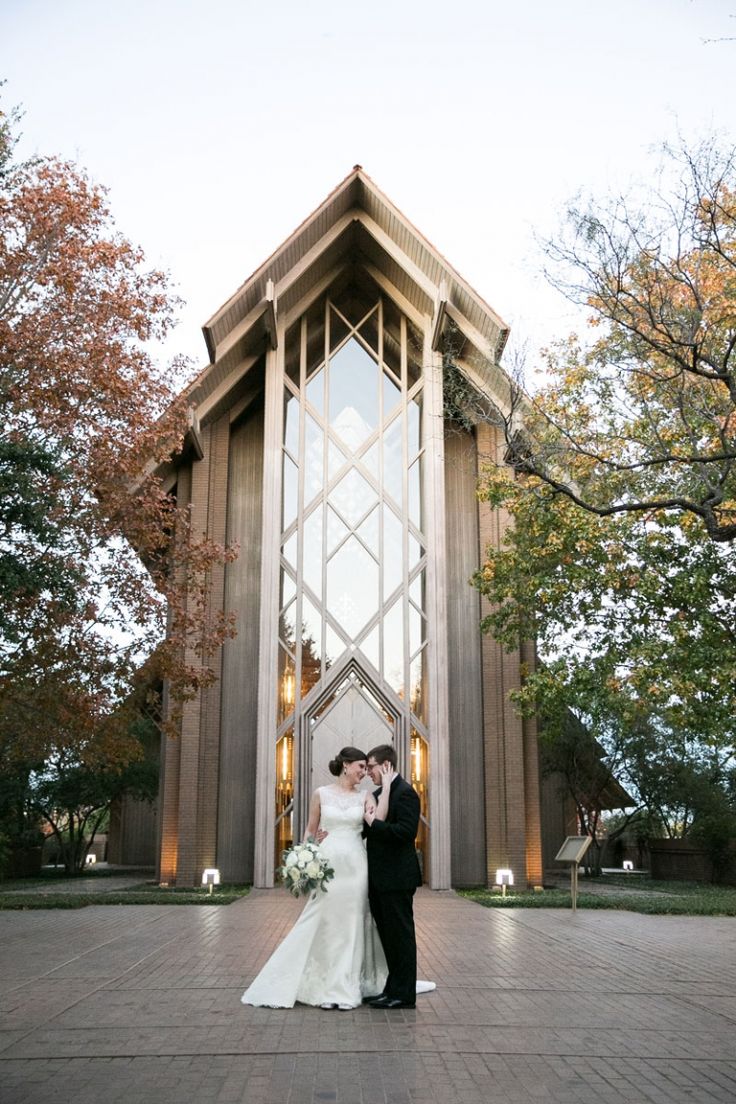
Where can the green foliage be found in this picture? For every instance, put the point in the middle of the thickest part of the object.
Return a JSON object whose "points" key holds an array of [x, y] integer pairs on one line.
{"points": [[677, 899], [137, 895], [633, 619], [640, 417]]}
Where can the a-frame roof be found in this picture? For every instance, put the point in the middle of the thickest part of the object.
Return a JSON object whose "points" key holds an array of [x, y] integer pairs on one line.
{"points": [[355, 225]]}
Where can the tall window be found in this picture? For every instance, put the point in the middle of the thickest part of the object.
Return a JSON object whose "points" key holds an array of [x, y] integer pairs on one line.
{"points": [[352, 542]]}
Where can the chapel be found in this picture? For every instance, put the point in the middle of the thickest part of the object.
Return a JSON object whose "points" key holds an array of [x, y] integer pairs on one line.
{"points": [[321, 443]]}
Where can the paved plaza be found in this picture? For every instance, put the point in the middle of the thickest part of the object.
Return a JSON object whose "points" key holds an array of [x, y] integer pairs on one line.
{"points": [[142, 1004]]}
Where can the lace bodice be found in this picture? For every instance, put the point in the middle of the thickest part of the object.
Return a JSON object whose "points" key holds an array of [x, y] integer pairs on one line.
{"points": [[341, 810]]}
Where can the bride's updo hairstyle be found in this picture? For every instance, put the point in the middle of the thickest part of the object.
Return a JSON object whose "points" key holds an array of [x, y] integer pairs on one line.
{"points": [[347, 755]]}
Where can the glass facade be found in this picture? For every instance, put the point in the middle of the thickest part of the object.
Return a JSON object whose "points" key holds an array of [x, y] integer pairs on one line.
{"points": [[353, 559]]}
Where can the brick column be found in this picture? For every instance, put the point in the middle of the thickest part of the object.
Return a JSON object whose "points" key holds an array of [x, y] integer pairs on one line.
{"points": [[511, 758], [209, 744], [189, 870]]}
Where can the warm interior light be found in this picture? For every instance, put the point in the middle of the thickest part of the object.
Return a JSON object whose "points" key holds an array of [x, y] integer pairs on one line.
{"points": [[286, 759], [416, 754], [288, 687]]}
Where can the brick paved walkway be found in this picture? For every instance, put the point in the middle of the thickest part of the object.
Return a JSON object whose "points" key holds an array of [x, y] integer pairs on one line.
{"points": [[141, 1004]]}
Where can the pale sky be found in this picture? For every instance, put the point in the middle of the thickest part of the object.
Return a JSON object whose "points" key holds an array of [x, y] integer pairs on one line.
{"points": [[219, 126]]}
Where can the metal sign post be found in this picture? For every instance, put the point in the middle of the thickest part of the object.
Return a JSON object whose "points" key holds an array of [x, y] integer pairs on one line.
{"points": [[572, 852]]}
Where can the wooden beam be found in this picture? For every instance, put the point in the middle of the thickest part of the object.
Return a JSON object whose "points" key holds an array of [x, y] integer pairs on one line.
{"points": [[193, 437], [302, 305], [386, 285], [440, 308], [209, 402], [271, 314], [238, 332], [394, 251]]}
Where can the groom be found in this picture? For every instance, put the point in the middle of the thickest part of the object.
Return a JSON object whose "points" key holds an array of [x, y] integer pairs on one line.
{"points": [[393, 876]]}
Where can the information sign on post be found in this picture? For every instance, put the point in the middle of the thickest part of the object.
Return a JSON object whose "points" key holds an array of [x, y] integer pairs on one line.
{"points": [[572, 851]]}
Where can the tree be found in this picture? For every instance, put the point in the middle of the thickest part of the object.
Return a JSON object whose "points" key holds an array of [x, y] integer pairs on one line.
{"points": [[87, 415], [643, 418], [619, 476], [635, 621]]}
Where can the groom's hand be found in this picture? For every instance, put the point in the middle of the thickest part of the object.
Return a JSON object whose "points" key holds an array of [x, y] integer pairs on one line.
{"points": [[387, 775]]}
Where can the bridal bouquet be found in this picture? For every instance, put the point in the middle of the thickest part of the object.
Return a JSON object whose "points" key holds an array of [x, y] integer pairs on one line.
{"points": [[304, 870]]}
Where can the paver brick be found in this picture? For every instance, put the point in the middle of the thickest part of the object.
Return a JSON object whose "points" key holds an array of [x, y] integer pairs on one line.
{"points": [[532, 1007]]}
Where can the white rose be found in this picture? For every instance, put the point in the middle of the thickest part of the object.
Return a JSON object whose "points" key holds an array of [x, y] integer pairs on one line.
{"points": [[293, 874], [313, 869], [320, 873], [290, 858]]}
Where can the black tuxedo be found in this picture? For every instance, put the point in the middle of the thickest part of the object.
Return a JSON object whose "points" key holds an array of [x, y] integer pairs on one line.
{"points": [[393, 876]]}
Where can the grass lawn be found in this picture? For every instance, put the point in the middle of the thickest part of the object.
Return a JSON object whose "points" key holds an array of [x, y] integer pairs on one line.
{"points": [[644, 895]]}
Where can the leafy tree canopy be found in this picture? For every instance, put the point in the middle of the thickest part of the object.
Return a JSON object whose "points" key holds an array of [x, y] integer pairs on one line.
{"points": [[642, 417]]}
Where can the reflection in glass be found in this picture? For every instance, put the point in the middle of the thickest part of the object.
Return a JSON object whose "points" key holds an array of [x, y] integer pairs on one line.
{"points": [[391, 395], [316, 392], [288, 588], [353, 496], [313, 550], [416, 591], [287, 625], [291, 423], [417, 630], [313, 454], [414, 425], [369, 647], [284, 794], [334, 645], [392, 462], [290, 490], [336, 530], [370, 459], [415, 551], [415, 491], [289, 551], [352, 586], [311, 646], [353, 394], [336, 459], [420, 782], [393, 566], [368, 532], [393, 647], [287, 685], [416, 684]]}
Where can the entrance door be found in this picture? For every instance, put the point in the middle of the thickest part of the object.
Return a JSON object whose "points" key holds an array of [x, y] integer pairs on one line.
{"points": [[352, 720]]}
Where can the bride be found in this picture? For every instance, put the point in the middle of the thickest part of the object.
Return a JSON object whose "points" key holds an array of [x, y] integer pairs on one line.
{"points": [[332, 957]]}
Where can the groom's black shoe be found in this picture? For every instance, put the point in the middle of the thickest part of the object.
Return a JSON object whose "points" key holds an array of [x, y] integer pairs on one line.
{"points": [[373, 999], [391, 1002]]}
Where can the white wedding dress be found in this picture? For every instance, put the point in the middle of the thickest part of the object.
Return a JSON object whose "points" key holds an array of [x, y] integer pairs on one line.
{"points": [[333, 954]]}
